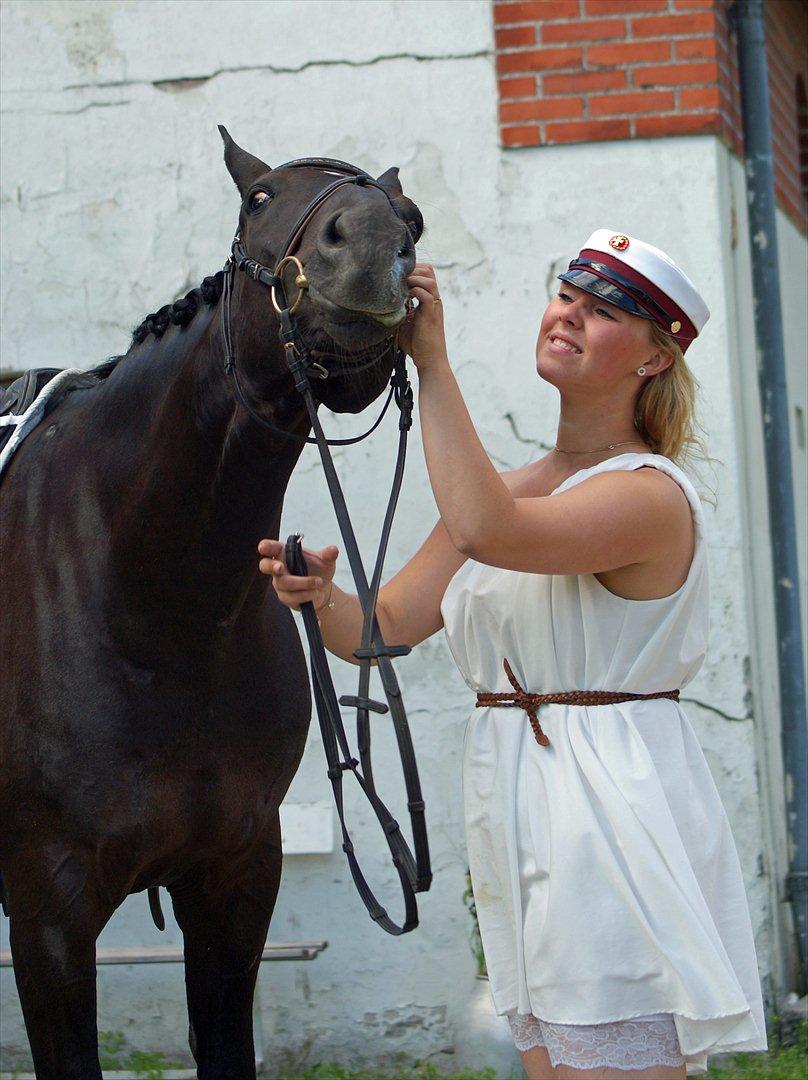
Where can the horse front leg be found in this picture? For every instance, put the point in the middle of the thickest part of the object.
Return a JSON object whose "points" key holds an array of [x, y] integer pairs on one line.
{"points": [[224, 938], [53, 925]]}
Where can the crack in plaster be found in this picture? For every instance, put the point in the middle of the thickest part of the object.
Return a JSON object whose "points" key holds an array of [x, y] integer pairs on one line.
{"points": [[279, 70], [66, 112], [531, 442], [715, 709]]}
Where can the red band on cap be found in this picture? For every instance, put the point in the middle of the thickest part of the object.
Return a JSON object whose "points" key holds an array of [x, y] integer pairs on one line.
{"points": [[628, 274]]}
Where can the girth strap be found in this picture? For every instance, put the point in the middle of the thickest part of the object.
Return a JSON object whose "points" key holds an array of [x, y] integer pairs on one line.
{"points": [[531, 703]]}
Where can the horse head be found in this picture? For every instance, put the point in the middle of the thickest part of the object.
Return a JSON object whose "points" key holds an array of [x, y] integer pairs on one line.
{"points": [[357, 250]]}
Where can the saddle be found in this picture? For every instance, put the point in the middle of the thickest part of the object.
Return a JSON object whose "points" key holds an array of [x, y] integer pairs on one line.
{"points": [[35, 394]]}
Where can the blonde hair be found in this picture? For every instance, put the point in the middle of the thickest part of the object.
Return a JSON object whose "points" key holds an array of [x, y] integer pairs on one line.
{"points": [[665, 408]]}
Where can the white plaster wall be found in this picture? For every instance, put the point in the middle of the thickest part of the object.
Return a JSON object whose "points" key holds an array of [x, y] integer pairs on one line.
{"points": [[743, 393], [115, 199]]}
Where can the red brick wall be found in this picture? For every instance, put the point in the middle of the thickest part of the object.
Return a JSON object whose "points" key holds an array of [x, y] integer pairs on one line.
{"points": [[729, 85], [589, 70], [787, 52]]}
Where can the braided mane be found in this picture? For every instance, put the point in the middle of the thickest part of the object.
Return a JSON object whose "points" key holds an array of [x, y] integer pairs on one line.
{"points": [[181, 311]]}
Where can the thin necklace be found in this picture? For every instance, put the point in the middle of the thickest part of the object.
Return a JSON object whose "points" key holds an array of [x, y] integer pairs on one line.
{"points": [[611, 446]]}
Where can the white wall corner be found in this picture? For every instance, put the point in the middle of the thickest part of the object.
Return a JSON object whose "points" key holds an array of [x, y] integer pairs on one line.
{"points": [[756, 604]]}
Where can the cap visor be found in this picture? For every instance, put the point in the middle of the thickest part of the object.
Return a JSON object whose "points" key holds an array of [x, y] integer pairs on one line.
{"points": [[597, 286]]}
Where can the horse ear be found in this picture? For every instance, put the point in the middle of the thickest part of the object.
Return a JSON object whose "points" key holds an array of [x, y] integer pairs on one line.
{"points": [[243, 167], [390, 182]]}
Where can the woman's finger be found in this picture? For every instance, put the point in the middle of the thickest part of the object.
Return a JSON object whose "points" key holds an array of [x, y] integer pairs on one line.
{"points": [[296, 600], [429, 284], [292, 584], [319, 562], [327, 554], [422, 295], [277, 569]]}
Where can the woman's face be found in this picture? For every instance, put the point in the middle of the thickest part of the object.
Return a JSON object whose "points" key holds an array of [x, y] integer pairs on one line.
{"points": [[585, 341]]}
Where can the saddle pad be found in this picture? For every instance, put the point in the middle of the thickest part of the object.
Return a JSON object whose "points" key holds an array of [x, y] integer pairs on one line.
{"points": [[33, 396]]}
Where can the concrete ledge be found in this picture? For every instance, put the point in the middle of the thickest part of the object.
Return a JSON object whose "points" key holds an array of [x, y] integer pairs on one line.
{"points": [[162, 954]]}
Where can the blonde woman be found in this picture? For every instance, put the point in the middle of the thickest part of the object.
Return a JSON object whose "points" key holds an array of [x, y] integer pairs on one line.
{"points": [[609, 894]]}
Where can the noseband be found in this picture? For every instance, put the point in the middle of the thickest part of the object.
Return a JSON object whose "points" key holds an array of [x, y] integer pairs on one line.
{"points": [[414, 872]]}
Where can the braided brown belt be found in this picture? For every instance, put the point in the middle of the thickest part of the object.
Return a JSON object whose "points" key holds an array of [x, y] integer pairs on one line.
{"points": [[520, 699]]}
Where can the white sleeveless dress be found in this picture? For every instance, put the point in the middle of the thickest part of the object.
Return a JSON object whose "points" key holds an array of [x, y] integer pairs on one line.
{"points": [[606, 879]]}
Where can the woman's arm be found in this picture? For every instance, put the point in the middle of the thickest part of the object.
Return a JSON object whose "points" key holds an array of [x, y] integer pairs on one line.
{"points": [[610, 520], [408, 607]]}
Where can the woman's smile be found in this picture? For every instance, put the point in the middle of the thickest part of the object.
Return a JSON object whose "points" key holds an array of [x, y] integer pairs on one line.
{"points": [[563, 344]]}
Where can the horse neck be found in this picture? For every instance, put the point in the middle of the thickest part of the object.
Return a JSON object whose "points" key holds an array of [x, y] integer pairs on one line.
{"points": [[204, 481]]}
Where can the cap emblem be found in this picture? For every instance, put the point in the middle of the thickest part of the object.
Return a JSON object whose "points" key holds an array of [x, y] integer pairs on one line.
{"points": [[619, 242], [676, 326]]}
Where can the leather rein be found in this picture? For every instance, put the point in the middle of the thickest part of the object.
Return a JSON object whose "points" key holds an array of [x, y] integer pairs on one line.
{"points": [[414, 872]]}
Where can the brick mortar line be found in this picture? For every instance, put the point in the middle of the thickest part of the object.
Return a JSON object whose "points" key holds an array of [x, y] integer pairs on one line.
{"points": [[612, 91], [616, 16], [785, 138], [674, 61], [629, 70], [633, 90], [549, 22], [534, 45], [629, 88], [697, 35], [588, 94], [783, 202], [667, 115], [625, 17]]}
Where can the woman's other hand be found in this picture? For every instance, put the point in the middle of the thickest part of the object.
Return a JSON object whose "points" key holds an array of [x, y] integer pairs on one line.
{"points": [[422, 335], [292, 590]]}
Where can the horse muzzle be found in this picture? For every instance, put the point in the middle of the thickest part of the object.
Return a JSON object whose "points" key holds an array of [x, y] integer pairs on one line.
{"points": [[338, 313]]}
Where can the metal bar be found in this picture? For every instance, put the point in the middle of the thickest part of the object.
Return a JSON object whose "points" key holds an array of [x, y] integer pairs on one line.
{"points": [[771, 368], [167, 954], [115, 1074]]}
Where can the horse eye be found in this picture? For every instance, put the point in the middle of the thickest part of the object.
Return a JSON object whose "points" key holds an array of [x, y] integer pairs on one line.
{"points": [[258, 198], [413, 227]]}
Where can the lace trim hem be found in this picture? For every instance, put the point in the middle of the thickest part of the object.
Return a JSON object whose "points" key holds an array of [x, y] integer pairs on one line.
{"points": [[640, 1043]]}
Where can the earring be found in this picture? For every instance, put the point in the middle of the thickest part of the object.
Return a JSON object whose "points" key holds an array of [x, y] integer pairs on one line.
{"points": [[640, 370]]}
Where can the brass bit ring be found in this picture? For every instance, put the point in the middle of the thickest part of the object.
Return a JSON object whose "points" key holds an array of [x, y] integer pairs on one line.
{"points": [[301, 281]]}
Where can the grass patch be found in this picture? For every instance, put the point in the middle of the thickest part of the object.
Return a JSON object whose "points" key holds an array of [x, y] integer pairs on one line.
{"points": [[115, 1056], [786, 1059], [781, 1062]]}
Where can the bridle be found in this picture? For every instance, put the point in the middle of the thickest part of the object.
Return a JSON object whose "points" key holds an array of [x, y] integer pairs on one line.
{"points": [[295, 352], [415, 873]]}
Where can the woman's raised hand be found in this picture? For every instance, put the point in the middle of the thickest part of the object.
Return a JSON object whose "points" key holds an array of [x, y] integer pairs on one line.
{"points": [[292, 590], [422, 335]]}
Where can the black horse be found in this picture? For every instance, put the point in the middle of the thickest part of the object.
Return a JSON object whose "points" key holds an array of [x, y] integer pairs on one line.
{"points": [[155, 700]]}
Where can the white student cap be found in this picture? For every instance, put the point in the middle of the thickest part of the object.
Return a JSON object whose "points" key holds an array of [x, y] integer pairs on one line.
{"points": [[641, 279]]}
